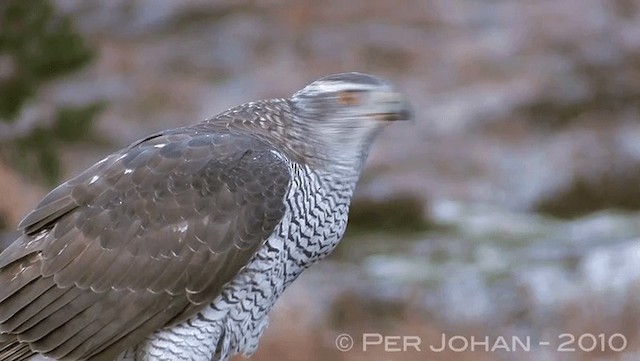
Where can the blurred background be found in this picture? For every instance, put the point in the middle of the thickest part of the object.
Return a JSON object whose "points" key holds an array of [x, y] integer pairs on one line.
{"points": [[509, 208]]}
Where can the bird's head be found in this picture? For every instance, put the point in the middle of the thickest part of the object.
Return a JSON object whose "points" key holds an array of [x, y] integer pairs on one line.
{"points": [[341, 114]]}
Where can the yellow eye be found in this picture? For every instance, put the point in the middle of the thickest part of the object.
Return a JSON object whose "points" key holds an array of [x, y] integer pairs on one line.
{"points": [[349, 98]]}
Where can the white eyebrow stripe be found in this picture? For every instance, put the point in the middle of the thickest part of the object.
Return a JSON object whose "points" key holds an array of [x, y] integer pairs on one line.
{"points": [[334, 87]]}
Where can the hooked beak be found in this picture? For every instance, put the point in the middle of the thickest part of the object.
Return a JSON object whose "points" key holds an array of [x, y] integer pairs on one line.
{"points": [[391, 106]]}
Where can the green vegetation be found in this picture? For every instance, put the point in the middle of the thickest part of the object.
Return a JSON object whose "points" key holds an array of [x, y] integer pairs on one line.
{"points": [[37, 44]]}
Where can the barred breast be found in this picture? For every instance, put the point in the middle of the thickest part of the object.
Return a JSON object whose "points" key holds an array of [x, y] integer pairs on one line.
{"points": [[314, 222]]}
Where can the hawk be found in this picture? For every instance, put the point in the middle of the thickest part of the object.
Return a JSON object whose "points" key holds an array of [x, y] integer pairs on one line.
{"points": [[177, 247]]}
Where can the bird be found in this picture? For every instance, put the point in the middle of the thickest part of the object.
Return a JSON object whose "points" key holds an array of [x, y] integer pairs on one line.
{"points": [[177, 246]]}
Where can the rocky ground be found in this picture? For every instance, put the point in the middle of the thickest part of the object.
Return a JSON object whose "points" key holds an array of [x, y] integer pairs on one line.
{"points": [[511, 206]]}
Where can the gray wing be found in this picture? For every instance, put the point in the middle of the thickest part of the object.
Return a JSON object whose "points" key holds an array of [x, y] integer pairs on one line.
{"points": [[142, 239]]}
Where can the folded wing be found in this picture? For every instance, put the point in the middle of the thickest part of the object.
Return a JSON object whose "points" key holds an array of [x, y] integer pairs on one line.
{"points": [[142, 239]]}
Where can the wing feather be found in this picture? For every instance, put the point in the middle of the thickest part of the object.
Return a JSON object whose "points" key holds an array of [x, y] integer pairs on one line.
{"points": [[56, 319], [40, 308], [118, 269], [30, 291], [141, 240]]}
